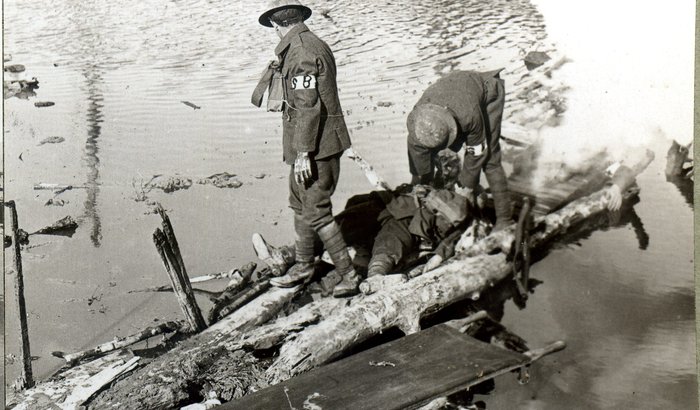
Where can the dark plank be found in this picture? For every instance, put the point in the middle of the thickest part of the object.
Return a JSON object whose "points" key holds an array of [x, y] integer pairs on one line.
{"points": [[428, 364]]}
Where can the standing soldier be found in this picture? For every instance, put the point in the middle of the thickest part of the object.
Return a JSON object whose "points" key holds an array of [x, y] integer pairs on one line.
{"points": [[463, 107], [314, 138]]}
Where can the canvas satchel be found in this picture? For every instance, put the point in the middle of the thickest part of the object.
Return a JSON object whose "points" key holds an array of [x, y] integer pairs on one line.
{"points": [[273, 81]]}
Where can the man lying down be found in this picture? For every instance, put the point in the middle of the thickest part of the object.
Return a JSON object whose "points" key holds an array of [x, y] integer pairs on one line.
{"points": [[391, 228], [391, 231]]}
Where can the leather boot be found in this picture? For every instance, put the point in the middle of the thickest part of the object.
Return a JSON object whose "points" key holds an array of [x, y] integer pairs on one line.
{"points": [[303, 270], [380, 265], [335, 245], [501, 201], [349, 286], [278, 260]]}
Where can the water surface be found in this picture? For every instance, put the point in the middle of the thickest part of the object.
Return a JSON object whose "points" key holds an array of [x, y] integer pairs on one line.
{"points": [[118, 73]]}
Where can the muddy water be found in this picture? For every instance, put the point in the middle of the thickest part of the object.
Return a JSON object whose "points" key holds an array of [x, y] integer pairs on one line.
{"points": [[118, 73]]}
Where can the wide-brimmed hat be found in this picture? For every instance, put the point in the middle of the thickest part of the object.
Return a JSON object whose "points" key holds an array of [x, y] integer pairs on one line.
{"points": [[276, 5], [433, 126]]}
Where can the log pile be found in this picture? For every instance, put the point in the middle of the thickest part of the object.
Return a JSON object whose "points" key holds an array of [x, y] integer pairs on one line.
{"points": [[256, 345]]}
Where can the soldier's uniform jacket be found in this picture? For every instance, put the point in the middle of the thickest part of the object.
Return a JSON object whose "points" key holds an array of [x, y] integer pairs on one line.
{"points": [[463, 93], [313, 119]]}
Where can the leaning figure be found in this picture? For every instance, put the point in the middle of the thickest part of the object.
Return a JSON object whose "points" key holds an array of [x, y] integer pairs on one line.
{"points": [[463, 108]]}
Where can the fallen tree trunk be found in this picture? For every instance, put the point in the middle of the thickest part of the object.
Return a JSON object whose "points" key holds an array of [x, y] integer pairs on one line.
{"points": [[402, 306], [162, 382], [221, 359]]}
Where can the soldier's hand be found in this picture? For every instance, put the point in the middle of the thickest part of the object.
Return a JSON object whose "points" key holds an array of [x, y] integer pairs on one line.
{"points": [[302, 168], [614, 197]]}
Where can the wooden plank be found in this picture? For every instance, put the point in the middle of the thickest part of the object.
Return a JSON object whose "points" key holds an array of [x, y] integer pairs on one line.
{"points": [[411, 370]]}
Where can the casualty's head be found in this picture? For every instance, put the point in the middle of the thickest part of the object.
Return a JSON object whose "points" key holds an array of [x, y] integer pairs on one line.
{"points": [[431, 126], [284, 14]]}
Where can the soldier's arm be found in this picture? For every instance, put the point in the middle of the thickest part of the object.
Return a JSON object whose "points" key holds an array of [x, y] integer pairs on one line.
{"points": [[304, 71], [476, 129]]}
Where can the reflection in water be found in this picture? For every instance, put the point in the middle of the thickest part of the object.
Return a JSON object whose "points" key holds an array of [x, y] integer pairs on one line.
{"points": [[626, 214], [685, 187], [95, 118], [209, 52], [92, 49]]}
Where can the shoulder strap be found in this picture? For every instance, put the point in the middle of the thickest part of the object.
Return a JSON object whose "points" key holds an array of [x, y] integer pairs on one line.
{"points": [[263, 84]]}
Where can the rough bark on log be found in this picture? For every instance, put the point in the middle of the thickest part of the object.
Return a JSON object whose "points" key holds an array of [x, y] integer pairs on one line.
{"points": [[26, 379], [174, 378], [47, 394], [316, 333], [231, 305], [403, 306], [169, 251], [82, 393], [231, 292]]}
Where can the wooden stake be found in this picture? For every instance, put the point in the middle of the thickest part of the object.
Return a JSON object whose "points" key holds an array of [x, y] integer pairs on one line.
{"points": [[172, 261], [26, 380]]}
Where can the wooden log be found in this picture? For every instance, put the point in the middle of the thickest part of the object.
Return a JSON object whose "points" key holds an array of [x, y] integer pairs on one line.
{"points": [[239, 278], [171, 379], [220, 357], [403, 306], [48, 393], [118, 343], [82, 393], [169, 251], [230, 305], [26, 379]]}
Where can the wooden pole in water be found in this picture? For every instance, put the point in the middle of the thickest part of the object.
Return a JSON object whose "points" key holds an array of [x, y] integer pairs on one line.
{"points": [[169, 251], [26, 379]]}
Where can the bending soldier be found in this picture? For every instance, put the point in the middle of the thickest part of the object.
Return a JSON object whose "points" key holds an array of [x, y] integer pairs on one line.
{"points": [[462, 108]]}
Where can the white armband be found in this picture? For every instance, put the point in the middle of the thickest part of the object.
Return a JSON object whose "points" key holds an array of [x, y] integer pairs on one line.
{"points": [[303, 82]]}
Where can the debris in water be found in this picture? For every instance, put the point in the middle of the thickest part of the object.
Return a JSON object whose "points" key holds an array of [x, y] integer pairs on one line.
{"points": [[382, 364], [23, 237], [52, 140], [14, 68], [189, 104], [65, 226], [259, 176], [170, 184], [534, 59], [222, 180], [10, 358], [55, 202], [55, 187], [44, 104]]}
